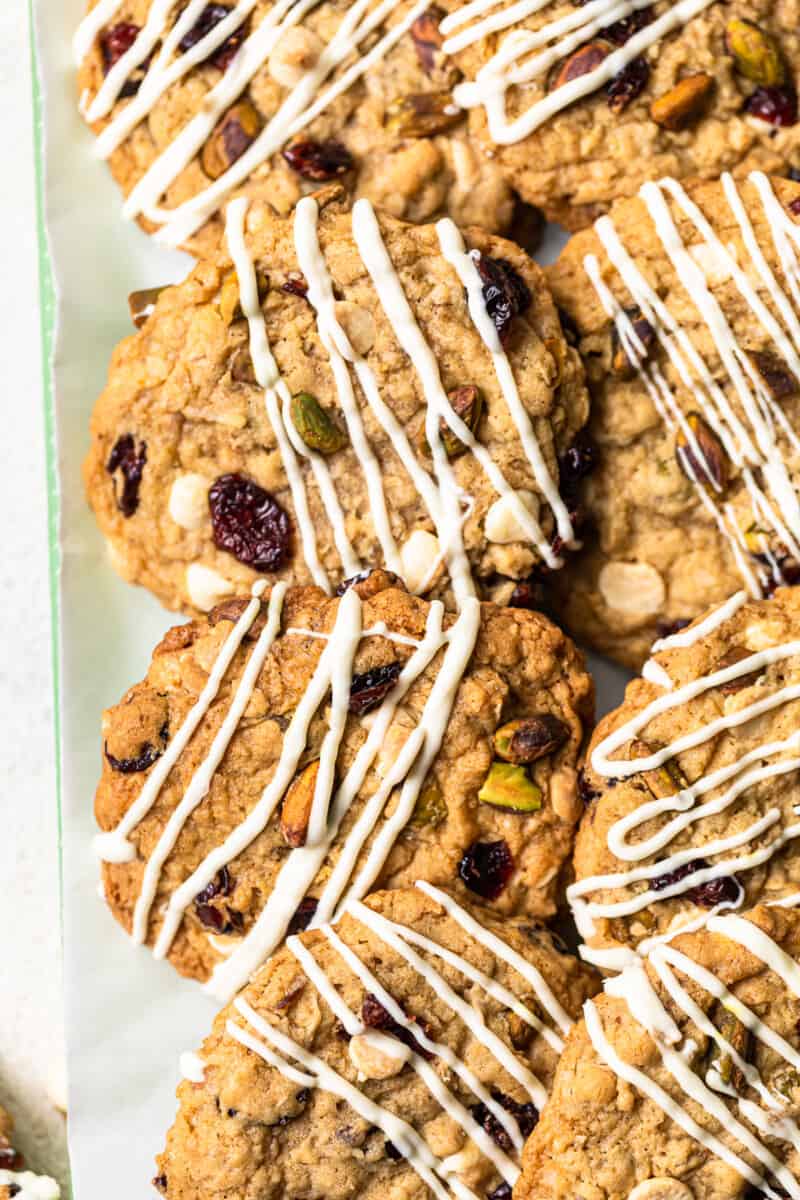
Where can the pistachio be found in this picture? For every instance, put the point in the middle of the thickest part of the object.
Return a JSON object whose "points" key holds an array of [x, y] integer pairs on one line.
{"points": [[585, 59], [241, 364], [428, 38], [319, 431], [682, 103], [237, 130], [786, 1082], [422, 114], [296, 810], [720, 1060], [735, 655], [431, 807], [621, 364], [510, 786], [530, 738], [663, 781], [141, 304], [712, 464], [777, 377], [756, 53], [467, 403]]}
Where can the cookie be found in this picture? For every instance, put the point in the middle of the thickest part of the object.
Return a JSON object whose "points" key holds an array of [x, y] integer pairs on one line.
{"points": [[691, 785], [685, 305], [287, 754], [296, 443], [682, 1080], [580, 110], [407, 1051], [15, 1179], [194, 104]]}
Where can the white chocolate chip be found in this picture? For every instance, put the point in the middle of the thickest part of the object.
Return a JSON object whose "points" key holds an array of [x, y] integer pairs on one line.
{"points": [[295, 52], [358, 323], [419, 555], [712, 262], [371, 1061], [633, 588], [206, 587], [188, 501], [660, 1189], [502, 525]]}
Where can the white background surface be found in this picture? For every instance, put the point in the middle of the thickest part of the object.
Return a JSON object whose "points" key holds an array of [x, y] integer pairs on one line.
{"points": [[30, 983]]}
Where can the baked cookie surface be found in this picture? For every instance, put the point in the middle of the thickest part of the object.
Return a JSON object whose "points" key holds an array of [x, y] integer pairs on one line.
{"points": [[297, 442], [691, 785], [405, 1051], [681, 1081], [432, 109], [284, 755], [15, 1179], [193, 104], [685, 304]]}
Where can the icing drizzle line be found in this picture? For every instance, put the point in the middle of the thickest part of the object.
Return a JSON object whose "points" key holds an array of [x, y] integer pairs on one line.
{"points": [[281, 1051]]}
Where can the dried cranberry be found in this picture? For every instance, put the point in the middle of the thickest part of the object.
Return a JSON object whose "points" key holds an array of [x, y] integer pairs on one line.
{"points": [[794, 207], [486, 868], [249, 523], [218, 917], [392, 1152], [666, 880], [622, 31], [373, 1014], [130, 462], [666, 629], [587, 793], [526, 1116], [10, 1160], [505, 294], [13, 1190], [726, 889], [116, 41], [775, 105], [209, 18], [303, 915], [628, 84], [490, 1124], [503, 1192], [575, 464], [368, 689], [526, 594], [295, 285], [141, 762], [160, 1182], [318, 160]]}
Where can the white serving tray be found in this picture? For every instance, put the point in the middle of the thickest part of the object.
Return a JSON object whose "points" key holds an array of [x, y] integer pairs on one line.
{"points": [[127, 1016]]}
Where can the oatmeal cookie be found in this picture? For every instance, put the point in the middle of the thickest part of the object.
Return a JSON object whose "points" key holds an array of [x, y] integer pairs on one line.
{"points": [[580, 111], [405, 1052], [15, 1179], [391, 397], [193, 104], [681, 1082], [286, 754], [685, 308], [691, 785]]}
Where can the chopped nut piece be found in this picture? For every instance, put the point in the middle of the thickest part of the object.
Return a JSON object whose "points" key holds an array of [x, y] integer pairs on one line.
{"points": [[587, 58], [712, 464], [733, 656], [229, 301], [621, 365], [509, 786], [431, 807], [756, 53], [467, 403], [530, 738], [319, 431], [428, 38], [662, 781], [422, 114], [779, 380], [296, 810], [141, 304], [682, 103], [739, 1037], [237, 130]]}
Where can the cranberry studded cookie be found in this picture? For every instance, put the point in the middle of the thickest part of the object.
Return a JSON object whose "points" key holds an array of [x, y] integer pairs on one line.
{"points": [[342, 391], [193, 103], [581, 104], [692, 785], [406, 1051], [287, 754], [682, 1080], [15, 1180], [686, 307]]}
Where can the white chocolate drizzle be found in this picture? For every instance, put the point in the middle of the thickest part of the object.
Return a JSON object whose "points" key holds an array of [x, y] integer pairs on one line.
{"points": [[282, 1051], [29, 1186], [768, 1115]]}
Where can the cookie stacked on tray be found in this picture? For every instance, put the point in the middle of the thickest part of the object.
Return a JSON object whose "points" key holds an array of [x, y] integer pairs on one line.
{"points": [[359, 446]]}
